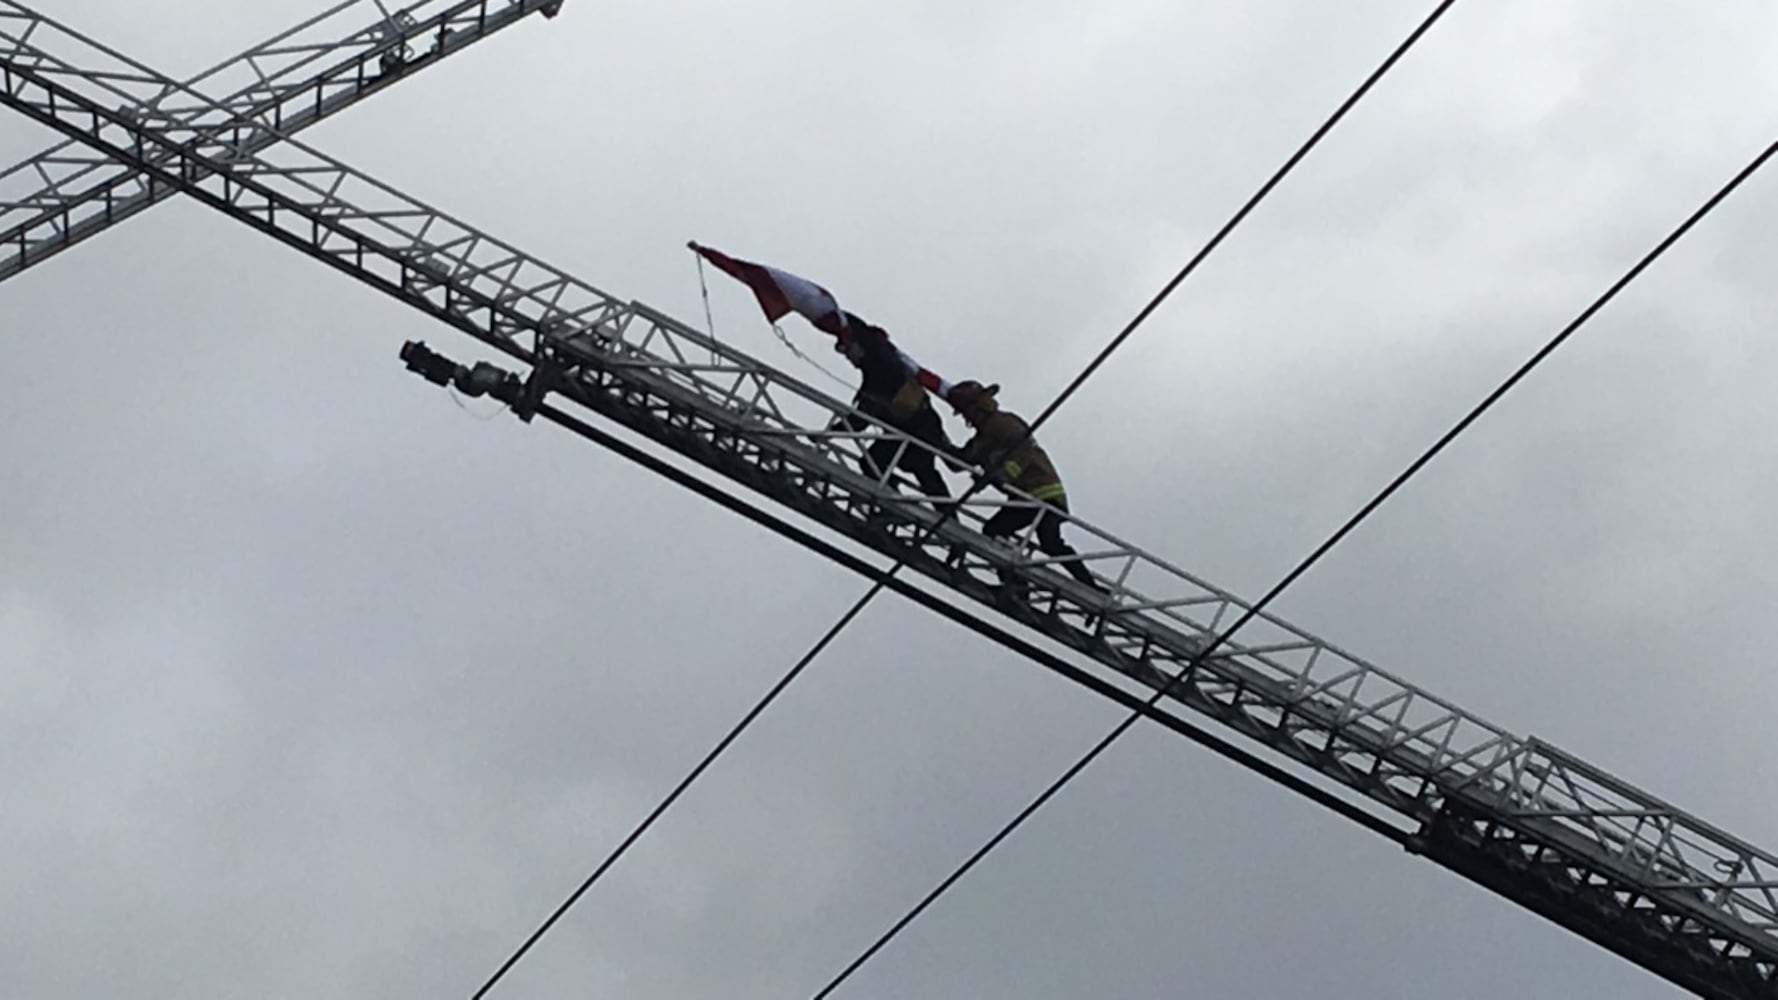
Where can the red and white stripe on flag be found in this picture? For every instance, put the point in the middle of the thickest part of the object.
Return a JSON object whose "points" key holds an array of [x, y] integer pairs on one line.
{"points": [[780, 292], [929, 380]]}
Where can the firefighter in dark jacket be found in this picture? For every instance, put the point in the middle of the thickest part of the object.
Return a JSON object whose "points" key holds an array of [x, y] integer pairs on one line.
{"points": [[1003, 446], [889, 392]]}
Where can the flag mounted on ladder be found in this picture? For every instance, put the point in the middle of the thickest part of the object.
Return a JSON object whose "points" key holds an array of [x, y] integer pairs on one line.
{"points": [[780, 293]]}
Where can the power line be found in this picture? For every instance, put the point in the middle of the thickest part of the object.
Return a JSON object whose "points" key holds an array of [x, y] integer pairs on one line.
{"points": [[979, 483], [969, 620], [1252, 203], [685, 783], [1345, 529], [976, 623]]}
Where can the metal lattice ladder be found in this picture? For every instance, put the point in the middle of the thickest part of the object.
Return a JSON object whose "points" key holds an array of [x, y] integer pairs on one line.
{"points": [[1560, 836]]}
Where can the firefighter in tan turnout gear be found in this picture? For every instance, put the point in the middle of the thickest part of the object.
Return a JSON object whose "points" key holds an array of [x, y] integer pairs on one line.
{"points": [[1004, 447]]}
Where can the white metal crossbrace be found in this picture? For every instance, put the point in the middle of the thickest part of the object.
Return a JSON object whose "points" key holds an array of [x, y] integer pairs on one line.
{"points": [[1353, 722], [329, 62]]}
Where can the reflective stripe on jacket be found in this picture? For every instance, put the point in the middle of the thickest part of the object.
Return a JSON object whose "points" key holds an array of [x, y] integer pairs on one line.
{"points": [[1001, 444]]}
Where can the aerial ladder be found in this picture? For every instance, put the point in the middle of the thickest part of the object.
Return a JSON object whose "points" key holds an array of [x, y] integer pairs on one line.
{"points": [[1517, 815]]}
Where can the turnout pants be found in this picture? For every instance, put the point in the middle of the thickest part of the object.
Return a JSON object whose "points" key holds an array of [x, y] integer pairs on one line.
{"points": [[917, 462], [1009, 520]]}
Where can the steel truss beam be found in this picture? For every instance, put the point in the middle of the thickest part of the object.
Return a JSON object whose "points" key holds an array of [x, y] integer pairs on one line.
{"points": [[1596, 855], [68, 193]]}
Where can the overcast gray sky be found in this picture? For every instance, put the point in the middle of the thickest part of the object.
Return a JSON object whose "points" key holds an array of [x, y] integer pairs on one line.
{"points": [[312, 684]]}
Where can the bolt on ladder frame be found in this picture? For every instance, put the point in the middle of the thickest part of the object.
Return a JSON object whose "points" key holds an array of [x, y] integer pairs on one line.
{"points": [[1553, 833], [68, 193]]}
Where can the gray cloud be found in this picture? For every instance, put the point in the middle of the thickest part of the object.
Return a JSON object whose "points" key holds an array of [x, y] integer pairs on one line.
{"points": [[316, 685]]}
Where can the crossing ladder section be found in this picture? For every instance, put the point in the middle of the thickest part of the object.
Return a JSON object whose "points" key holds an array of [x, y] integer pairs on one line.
{"points": [[69, 192]]}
